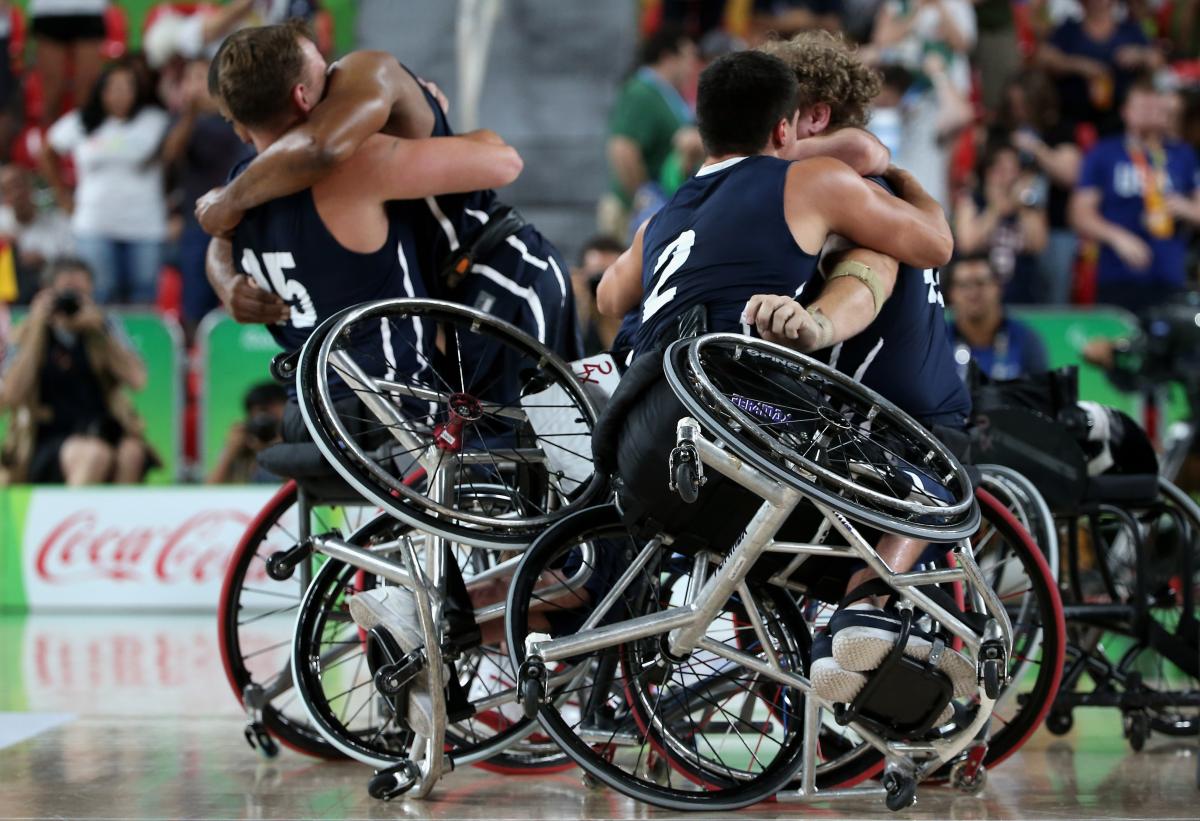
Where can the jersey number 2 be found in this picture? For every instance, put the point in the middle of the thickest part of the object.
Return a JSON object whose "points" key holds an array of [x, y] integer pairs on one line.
{"points": [[933, 279], [669, 261], [303, 314]]}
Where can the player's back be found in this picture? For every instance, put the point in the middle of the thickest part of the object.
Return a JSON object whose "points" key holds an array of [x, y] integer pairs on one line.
{"points": [[285, 246], [906, 354], [721, 239]]}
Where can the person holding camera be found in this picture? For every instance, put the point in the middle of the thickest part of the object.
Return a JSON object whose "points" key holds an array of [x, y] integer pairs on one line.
{"points": [[262, 427], [1006, 218], [64, 382]]}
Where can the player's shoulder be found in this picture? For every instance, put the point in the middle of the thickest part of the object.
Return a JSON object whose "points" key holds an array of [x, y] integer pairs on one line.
{"points": [[821, 173]]}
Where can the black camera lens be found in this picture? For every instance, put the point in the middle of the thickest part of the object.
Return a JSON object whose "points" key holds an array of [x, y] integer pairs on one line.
{"points": [[263, 427], [67, 303]]}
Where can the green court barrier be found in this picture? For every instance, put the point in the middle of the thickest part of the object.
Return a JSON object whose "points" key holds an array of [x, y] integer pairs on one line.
{"points": [[159, 342], [233, 358]]}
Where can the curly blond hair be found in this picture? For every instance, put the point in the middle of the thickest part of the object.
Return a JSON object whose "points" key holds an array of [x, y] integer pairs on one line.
{"points": [[829, 72]]}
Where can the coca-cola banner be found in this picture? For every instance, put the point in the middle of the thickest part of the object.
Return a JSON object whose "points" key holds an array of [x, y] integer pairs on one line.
{"points": [[121, 547]]}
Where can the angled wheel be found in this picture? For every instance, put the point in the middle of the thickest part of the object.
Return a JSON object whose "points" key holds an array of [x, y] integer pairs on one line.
{"points": [[815, 429], [454, 399], [256, 615], [730, 737]]}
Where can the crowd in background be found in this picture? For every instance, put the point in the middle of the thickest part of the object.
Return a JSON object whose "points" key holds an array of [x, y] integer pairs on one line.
{"points": [[1059, 135]]}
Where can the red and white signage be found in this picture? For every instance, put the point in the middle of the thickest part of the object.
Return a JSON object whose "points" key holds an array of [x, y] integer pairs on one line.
{"points": [[133, 548]]}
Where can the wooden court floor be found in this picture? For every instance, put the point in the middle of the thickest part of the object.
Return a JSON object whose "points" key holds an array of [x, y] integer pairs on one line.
{"points": [[107, 717]]}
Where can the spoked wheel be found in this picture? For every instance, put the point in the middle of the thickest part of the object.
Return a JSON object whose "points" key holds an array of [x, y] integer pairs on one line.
{"points": [[1027, 505], [334, 663], [1165, 661], [730, 736], [462, 397], [256, 614], [1016, 569], [820, 432]]}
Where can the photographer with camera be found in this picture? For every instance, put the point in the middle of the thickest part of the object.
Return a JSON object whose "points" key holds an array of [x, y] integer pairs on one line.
{"points": [[261, 427], [1006, 218], [64, 382]]}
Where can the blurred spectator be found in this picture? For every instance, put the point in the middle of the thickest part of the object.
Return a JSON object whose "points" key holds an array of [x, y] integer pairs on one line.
{"points": [[887, 109], [1095, 59], [1005, 218], [10, 83], [188, 36], [786, 18], [598, 254], [37, 234], [997, 54], [263, 404], [1030, 115], [64, 381], [648, 112], [908, 31], [69, 35], [1002, 347], [1134, 191], [119, 212], [205, 148]]}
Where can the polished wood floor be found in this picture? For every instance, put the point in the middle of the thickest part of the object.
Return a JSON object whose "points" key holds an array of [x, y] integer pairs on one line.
{"points": [[106, 717]]}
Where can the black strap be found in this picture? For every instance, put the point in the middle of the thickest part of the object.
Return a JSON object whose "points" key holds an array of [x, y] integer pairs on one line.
{"points": [[503, 222]]}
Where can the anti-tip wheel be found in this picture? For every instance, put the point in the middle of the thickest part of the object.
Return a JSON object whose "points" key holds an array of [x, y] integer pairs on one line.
{"points": [[393, 782], [901, 791]]}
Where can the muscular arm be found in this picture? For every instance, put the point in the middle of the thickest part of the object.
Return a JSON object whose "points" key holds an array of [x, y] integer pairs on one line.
{"points": [[857, 148], [413, 169], [367, 92], [825, 196], [620, 289], [245, 301]]}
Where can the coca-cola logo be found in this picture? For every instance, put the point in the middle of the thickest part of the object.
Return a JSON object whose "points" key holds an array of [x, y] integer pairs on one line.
{"points": [[82, 549]]}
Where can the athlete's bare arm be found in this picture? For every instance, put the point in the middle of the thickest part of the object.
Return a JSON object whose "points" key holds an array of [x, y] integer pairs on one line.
{"points": [[857, 148], [620, 289], [245, 301], [825, 196], [366, 92]]}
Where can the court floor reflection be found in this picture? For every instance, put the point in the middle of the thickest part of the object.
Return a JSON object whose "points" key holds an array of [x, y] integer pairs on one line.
{"points": [[147, 743]]}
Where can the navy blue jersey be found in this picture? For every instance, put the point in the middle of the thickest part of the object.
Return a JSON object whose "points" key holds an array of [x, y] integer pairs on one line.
{"points": [[286, 248], [721, 239], [906, 354], [524, 281]]}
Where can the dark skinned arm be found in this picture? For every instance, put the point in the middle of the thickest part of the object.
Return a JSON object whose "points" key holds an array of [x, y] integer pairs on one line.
{"points": [[245, 301]]}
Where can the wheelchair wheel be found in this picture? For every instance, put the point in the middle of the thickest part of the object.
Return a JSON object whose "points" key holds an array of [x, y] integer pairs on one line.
{"points": [[1027, 505], [256, 615], [1017, 570], [334, 667], [730, 737], [478, 402], [815, 429]]}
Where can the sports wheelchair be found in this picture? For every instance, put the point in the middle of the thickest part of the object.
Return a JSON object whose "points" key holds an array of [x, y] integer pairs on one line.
{"points": [[751, 481], [469, 454], [1131, 544]]}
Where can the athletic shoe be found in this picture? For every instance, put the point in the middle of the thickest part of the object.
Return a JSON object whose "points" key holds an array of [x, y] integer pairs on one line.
{"points": [[863, 636], [829, 679]]}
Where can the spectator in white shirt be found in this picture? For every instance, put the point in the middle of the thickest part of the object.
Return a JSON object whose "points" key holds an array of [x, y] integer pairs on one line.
{"points": [[37, 234], [119, 209], [67, 33]]}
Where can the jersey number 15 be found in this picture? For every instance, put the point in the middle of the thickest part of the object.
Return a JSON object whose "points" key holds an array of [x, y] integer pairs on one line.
{"points": [[303, 314]]}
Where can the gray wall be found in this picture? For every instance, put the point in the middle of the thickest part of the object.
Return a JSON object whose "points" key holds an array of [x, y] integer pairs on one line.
{"points": [[553, 72]]}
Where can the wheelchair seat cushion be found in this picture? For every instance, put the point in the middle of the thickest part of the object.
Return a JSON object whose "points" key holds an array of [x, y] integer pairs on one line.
{"points": [[303, 462], [643, 373], [1120, 490]]}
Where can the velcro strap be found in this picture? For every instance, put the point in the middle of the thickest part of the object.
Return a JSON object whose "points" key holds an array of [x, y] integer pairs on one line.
{"points": [[864, 274]]}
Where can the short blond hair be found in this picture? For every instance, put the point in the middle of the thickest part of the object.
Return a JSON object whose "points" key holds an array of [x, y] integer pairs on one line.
{"points": [[829, 71]]}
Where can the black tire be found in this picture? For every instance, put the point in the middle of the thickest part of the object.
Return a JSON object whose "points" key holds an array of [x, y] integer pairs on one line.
{"points": [[248, 637], [1059, 722], [603, 754], [350, 717]]}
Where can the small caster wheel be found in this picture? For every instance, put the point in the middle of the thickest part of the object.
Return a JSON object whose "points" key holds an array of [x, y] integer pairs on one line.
{"points": [[901, 791], [968, 777], [686, 481], [1137, 730], [259, 739], [992, 679], [394, 781], [1059, 723], [531, 696]]}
